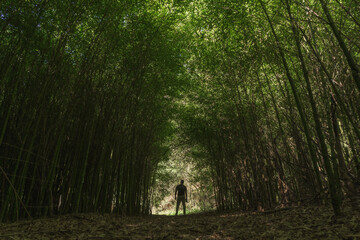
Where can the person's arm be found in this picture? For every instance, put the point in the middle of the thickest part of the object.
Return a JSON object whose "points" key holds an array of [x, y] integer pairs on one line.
{"points": [[176, 192], [185, 194]]}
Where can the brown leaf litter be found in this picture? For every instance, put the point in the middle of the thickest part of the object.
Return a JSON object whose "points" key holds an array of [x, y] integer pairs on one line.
{"points": [[312, 222]]}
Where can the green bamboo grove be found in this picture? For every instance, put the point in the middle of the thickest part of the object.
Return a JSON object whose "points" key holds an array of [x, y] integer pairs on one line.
{"points": [[264, 93], [85, 103], [276, 105]]}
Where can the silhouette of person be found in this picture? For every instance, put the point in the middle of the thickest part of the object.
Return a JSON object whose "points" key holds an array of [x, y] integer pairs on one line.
{"points": [[181, 193]]}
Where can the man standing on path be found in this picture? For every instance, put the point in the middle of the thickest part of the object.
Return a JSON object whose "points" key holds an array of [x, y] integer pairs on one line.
{"points": [[181, 196]]}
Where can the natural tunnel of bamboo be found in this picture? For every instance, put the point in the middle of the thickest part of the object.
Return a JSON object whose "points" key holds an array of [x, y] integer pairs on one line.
{"points": [[105, 105]]}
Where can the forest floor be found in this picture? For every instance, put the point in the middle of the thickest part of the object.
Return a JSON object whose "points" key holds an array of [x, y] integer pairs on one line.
{"points": [[310, 222]]}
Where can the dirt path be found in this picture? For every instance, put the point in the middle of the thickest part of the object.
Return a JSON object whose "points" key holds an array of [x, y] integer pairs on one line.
{"points": [[294, 223]]}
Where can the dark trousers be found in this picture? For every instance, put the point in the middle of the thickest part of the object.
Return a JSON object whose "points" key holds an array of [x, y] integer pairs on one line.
{"points": [[180, 199]]}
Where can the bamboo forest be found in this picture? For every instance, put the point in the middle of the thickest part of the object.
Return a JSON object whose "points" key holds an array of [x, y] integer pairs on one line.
{"points": [[105, 106]]}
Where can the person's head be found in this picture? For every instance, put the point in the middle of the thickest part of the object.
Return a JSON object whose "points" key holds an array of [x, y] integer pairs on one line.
{"points": [[182, 181]]}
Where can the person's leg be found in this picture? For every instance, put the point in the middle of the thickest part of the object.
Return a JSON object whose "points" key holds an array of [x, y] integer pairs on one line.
{"points": [[177, 205], [184, 206]]}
